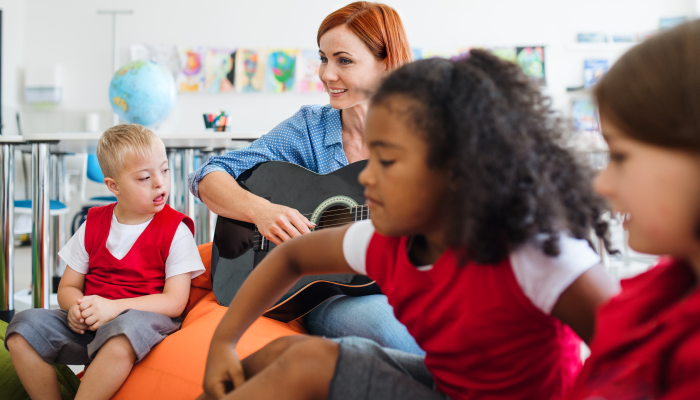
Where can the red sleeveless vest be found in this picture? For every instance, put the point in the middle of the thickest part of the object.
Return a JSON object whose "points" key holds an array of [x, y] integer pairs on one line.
{"points": [[142, 270]]}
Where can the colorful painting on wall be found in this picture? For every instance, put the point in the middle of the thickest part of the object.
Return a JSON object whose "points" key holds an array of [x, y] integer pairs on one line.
{"points": [[219, 70], [280, 70], [442, 53], [250, 70], [308, 64], [505, 53], [531, 60], [191, 76]]}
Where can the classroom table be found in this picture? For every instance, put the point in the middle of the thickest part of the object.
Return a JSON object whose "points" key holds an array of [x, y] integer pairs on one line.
{"points": [[87, 143], [7, 208]]}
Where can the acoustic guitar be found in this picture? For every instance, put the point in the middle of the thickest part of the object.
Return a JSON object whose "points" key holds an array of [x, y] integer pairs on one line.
{"points": [[327, 200]]}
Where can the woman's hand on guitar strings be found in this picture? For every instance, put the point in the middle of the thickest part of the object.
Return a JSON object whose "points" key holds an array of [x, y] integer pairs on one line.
{"points": [[279, 223]]}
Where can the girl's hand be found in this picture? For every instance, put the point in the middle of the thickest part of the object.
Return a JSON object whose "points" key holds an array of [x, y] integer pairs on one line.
{"points": [[75, 320], [224, 371], [97, 311]]}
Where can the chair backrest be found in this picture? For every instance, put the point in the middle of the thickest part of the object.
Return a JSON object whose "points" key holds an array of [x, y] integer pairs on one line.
{"points": [[94, 172]]}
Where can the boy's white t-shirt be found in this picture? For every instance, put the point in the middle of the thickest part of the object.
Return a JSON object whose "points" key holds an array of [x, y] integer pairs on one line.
{"points": [[183, 257], [542, 278]]}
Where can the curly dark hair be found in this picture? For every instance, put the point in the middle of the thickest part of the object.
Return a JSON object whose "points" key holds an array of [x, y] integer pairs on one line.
{"points": [[495, 133]]}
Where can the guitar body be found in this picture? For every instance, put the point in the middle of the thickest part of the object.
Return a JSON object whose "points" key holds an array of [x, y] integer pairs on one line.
{"points": [[331, 199]]}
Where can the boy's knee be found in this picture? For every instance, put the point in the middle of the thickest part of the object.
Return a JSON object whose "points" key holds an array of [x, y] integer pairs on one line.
{"points": [[16, 342], [119, 348]]}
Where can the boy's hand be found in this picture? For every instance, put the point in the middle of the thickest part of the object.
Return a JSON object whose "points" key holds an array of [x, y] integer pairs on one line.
{"points": [[76, 321], [97, 311], [224, 371]]}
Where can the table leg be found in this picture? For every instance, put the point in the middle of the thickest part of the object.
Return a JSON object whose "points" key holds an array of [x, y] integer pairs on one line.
{"points": [[211, 215], [7, 212], [53, 221], [188, 168], [172, 166], [41, 270], [58, 191]]}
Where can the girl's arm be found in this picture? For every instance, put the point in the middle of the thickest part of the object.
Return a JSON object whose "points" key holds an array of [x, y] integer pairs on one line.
{"points": [[312, 254], [577, 305]]}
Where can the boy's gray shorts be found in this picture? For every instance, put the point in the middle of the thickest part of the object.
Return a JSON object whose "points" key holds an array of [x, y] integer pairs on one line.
{"points": [[367, 371], [48, 332]]}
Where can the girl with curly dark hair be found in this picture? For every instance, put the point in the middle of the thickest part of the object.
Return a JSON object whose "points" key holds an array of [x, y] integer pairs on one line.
{"points": [[477, 238], [648, 341]]}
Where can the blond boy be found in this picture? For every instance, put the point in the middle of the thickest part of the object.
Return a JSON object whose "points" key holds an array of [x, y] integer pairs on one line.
{"points": [[127, 279]]}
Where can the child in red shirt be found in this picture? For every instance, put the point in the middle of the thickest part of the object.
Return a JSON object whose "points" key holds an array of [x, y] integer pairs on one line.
{"points": [[647, 343], [477, 237], [126, 282]]}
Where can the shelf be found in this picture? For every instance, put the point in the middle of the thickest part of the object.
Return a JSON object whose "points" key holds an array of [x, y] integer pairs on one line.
{"points": [[610, 46]]}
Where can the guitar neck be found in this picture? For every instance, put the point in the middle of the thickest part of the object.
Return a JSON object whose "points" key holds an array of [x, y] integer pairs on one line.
{"points": [[360, 213]]}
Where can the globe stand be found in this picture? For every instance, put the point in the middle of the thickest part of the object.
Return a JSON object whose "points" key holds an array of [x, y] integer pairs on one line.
{"points": [[115, 41]]}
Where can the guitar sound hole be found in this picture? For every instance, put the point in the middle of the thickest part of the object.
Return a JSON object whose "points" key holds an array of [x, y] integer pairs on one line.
{"points": [[335, 216]]}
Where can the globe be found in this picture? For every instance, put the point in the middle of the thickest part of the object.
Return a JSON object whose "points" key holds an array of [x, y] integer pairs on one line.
{"points": [[142, 92]]}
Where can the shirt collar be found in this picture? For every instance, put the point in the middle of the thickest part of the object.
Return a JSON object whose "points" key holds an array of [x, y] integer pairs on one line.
{"points": [[333, 127]]}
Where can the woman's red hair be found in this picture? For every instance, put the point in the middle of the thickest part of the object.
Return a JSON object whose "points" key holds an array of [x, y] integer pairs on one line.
{"points": [[377, 25]]}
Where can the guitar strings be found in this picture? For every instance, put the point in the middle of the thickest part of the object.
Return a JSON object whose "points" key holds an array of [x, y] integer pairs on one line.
{"points": [[258, 240], [359, 209], [362, 210]]}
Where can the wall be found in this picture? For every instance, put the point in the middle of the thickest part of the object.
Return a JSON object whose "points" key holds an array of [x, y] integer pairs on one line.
{"points": [[71, 33], [13, 51]]}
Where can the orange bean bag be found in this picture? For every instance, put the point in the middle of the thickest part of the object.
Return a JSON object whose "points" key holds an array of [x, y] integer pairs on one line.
{"points": [[175, 368]]}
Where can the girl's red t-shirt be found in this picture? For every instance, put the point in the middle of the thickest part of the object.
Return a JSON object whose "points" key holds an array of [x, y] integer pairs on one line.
{"points": [[647, 344], [483, 338]]}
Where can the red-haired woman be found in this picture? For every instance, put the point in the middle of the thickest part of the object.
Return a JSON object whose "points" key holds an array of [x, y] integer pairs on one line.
{"points": [[358, 45]]}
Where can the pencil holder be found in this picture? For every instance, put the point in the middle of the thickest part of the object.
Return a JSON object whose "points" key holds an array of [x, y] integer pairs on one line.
{"points": [[218, 122]]}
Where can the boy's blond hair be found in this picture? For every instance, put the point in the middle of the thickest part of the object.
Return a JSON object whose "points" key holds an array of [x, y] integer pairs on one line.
{"points": [[122, 141]]}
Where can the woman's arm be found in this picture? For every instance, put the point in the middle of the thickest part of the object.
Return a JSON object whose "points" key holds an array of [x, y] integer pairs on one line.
{"points": [[315, 253], [577, 305], [222, 194]]}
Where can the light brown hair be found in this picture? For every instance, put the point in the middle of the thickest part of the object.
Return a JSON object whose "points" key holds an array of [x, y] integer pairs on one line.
{"points": [[652, 93], [120, 142], [377, 25]]}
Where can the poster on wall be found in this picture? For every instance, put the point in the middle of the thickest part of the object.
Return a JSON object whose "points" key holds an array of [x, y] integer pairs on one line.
{"points": [[281, 65], [191, 75], [308, 65], [593, 71], [531, 60], [250, 70], [219, 71], [505, 53], [442, 53]]}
